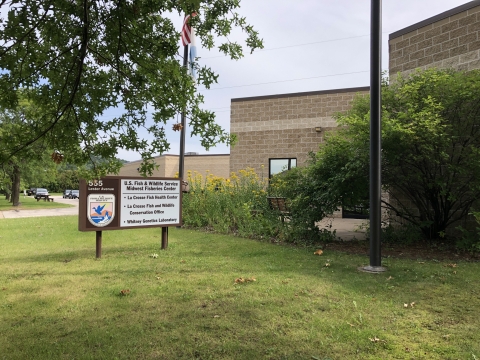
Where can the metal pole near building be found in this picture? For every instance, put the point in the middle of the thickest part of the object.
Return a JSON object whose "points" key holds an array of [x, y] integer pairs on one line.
{"points": [[181, 165], [375, 138]]}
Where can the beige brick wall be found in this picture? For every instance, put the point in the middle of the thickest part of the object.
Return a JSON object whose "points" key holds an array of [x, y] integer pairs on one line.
{"points": [[448, 40], [218, 165], [283, 126]]}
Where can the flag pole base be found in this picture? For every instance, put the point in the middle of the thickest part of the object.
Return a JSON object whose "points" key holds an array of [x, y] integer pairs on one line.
{"points": [[372, 269]]}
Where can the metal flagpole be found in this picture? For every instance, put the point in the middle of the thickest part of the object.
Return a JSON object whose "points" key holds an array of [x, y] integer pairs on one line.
{"points": [[375, 138], [183, 123]]}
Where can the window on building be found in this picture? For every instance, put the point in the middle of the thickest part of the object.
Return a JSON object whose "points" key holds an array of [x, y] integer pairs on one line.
{"points": [[276, 166]]}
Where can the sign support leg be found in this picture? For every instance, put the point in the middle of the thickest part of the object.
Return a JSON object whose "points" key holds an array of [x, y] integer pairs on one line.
{"points": [[99, 244], [164, 237]]}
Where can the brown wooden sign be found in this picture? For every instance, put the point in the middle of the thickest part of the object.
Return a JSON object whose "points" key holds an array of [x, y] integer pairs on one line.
{"points": [[116, 203]]}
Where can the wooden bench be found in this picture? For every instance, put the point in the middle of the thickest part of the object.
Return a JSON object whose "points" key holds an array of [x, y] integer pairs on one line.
{"points": [[278, 204]]}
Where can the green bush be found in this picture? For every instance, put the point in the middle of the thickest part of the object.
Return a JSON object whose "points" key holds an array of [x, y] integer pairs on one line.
{"points": [[470, 240]]}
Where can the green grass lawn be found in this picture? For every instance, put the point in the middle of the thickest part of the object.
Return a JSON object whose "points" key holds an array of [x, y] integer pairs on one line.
{"points": [[29, 203], [58, 302]]}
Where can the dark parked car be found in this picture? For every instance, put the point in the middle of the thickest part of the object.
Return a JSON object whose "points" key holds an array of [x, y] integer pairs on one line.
{"points": [[73, 194], [66, 193], [41, 194]]}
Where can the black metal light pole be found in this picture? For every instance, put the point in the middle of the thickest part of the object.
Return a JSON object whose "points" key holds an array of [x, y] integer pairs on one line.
{"points": [[181, 165], [375, 138]]}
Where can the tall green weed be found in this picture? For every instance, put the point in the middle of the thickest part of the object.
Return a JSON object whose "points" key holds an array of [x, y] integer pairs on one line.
{"points": [[236, 205]]}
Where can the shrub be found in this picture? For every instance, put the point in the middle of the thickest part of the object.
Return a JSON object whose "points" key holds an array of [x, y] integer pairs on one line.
{"points": [[470, 240]]}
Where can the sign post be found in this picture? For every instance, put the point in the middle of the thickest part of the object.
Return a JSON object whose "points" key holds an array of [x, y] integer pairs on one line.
{"points": [[98, 244], [164, 237]]}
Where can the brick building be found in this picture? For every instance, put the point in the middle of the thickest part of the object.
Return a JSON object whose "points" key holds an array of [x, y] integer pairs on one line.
{"points": [[278, 131], [448, 40], [217, 165]]}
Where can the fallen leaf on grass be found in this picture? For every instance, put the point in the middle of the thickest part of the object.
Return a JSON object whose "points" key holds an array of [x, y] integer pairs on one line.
{"points": [[455, 273], [351, 324], [412, 304], [375, 339], [216, 316], [124, 292], [242, 280], [327, 264], [318, 252], [450, 265], [389, 278]]}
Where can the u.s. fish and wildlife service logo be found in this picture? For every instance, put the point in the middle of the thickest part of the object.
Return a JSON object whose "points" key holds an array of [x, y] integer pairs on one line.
{"points": [[100, 209]]}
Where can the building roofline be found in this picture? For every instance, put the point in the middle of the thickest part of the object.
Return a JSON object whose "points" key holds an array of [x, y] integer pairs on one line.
{"points": [[321, 92], [434, 19]]}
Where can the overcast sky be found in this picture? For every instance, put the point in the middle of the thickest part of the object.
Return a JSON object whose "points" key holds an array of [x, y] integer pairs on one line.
{"points": [[310, 45]]}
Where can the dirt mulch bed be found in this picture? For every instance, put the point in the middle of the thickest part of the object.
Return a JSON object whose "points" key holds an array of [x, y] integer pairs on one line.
{"points": [[422, 251]]}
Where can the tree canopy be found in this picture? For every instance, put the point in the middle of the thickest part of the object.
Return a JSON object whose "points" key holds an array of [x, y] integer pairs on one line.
{"points": [[29, 165], [74, 60]]}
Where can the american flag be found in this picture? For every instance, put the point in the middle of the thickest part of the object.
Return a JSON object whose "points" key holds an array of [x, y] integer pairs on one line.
{"points": [[187, 30]]}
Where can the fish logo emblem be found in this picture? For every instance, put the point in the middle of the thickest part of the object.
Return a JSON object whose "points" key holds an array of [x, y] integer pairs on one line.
{"points": [[100, 209]]}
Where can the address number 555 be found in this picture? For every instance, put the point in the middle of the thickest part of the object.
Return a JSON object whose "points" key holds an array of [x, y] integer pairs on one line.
{"points": [[95, 183]]}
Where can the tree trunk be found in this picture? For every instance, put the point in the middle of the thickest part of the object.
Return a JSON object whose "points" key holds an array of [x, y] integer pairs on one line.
{"points": [[16, 186]]}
